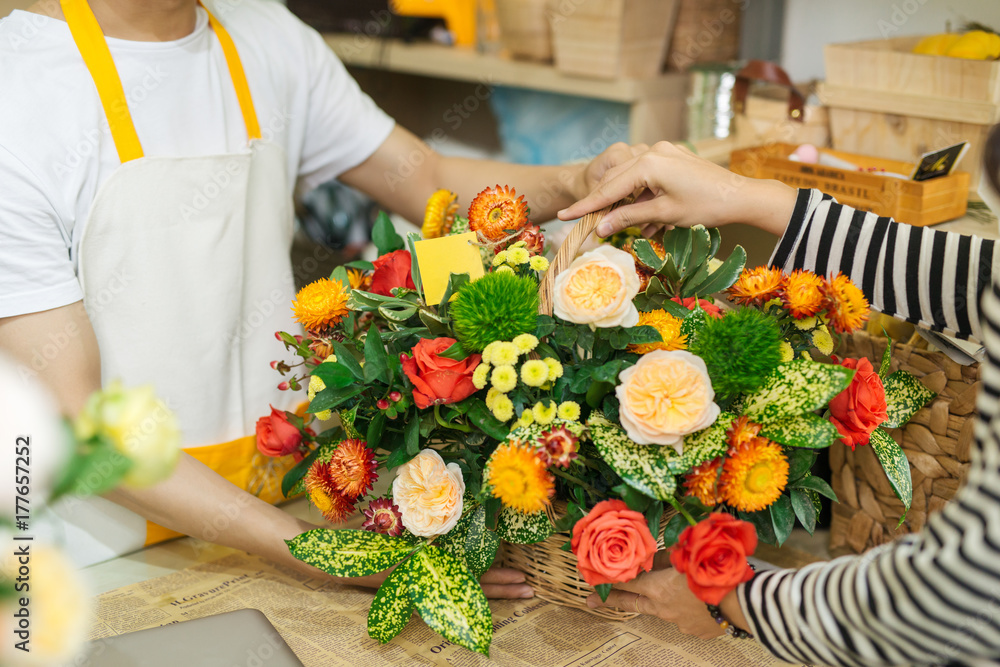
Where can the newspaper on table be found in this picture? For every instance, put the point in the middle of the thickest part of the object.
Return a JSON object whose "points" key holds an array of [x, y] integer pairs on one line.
{"points": [[325, 624]]}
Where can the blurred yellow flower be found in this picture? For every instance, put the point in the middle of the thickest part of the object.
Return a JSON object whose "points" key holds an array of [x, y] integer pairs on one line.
{"points": [[534, 372], [538, 263], [503, 378], [569, 410], [503, 408], [544, 414], [480, 376], [525, 343], [505, 354], [555, 368]]}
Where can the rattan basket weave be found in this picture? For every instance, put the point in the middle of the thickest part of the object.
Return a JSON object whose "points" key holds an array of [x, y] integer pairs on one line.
{"points": [[936, 441]]}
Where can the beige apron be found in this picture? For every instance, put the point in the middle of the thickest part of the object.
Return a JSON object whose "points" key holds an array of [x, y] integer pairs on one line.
{"points": [[185, 269]]}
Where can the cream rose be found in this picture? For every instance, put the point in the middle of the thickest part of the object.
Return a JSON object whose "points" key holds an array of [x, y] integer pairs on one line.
{"points": [[429, 494], [665, 396], [598, 288]]}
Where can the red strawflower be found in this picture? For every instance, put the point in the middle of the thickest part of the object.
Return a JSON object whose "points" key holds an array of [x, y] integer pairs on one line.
{"points": [[382, 516], [560, 446]]}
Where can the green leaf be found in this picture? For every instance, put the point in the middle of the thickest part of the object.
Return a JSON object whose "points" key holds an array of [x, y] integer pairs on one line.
{"points": [[398, 457], [904, 396], [809, 431], [804, 508], [376, 359], [693, 323], [411, 436], [412, 238], [519, 528], [400, 314], [331, 398], [800, 461], [883, 370], [701, 243], [644, 251], [384, 235], [636, 500], [894, 462], [347, 419], [703, 445], [620, 338], [449, 599], [348, 553], [653, 515], [95, 470], [544, 326], [361, 264], [376, 427], [763, 523], [783, 518], [643, 467], [604, 590], [481, 417], [455, 282], [813, 483], [724, 276], [392, 607], [455, 352], [565, 336], [795, 388], [644, 335], [471, 542], [333, 374], [672, 531], [339, 275], [675, 309], [677, 243], [716, 240], [346, 359]]}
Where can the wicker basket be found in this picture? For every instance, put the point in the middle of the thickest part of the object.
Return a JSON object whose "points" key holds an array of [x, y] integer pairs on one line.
{"points": [[524, 29], [936, 441]]}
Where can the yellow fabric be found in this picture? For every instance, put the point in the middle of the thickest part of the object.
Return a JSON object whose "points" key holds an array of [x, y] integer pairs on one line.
{"points": [[93, 48]]}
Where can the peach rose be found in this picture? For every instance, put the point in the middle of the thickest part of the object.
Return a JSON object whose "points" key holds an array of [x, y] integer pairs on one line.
{"points": [[612, 544], [597, 289], [428, 494], [665, 396]]}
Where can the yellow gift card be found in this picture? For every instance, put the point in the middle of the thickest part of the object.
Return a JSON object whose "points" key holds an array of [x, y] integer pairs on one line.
{"points": [[438, 258]]}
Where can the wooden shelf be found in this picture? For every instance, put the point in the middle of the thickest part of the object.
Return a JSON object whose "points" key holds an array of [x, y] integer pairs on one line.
{"points": [[463, 64]]}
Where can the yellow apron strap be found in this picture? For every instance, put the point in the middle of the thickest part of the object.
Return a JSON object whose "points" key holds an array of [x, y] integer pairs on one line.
{"points": [[93, 47]]}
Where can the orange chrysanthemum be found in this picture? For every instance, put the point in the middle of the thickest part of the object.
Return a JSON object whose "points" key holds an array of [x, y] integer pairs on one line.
{"points": [[358, 279], [519, 478], [324, 494], [669, 328], [320, 304], [754, 475], [439, 215], [352, 468], [848, 305], [803, 294], [703, 482], [757, 286], [497, 213], [740, 432]]}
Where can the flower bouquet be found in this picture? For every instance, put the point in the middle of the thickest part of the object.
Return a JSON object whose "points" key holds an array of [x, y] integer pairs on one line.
{"points": [[580, 404]]}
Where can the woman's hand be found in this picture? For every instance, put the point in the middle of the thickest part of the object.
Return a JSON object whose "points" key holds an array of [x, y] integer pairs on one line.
{"points": [[673, 186]]}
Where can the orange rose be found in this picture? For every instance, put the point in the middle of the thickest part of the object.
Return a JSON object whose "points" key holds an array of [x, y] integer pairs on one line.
{"points": [[860, 408], [276, 436], [392, 269], [612, 544], [713, 555], [438, 380]]}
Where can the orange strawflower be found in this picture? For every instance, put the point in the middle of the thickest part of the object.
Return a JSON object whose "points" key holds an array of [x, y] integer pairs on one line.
{"points": [[848, 307], [324, 494], [352, 468], [754, 475], [803, 295], [320, 304], [519, 478], [439, 215], [703, 482], [358, 279], [669, 328], [644, 272], [497, 213], [757, 286], [741, 431]]}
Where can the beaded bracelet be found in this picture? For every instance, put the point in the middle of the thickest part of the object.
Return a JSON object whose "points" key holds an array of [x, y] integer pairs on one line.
{"points": [[731, 630]]}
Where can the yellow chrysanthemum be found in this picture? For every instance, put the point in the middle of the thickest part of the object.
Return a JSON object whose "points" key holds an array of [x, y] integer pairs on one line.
{"points": [[534, 372], [526, 418], [503, 378], [505, 354], [488, 352], [569, 411], [525, 343], [754, 475], [555, 368], [823, 341], [320, 304], [439, 214], [703, 482], [786, 351], [538, 263], [481, 376], [806, 323], [500, 258], [848, 305], [358, 279], [505, 269], [544, 414], [491, 397], [518, 256], [519, 478], [503, 408], [519, 244], [755, 286], [803, 294], [669, 328]]}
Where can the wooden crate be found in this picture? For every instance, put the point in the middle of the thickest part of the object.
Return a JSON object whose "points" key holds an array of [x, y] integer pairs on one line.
{"points": [[887, 101], [915, 203], [706, 31], [765, 120], [524, 29], [611, 39]]}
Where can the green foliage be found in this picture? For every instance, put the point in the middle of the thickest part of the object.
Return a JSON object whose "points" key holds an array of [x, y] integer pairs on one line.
{"points": [[894, 462], [703, 445], [796, 388], [740, 350], [643, 467], [348, 553], [384, 235], [471, 542], [518, 528], [782, 518], [392, 607], [809, 431], [904, 396], [498, 306]]}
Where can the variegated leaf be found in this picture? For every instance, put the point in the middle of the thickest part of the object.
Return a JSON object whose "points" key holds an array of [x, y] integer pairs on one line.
{"points": [[795, 388], [894, 462], [392, 607], [519, 528], [904, 396], [693, 324], [703, 445], [471, 542], [348, 553], [449, 599], [643, 467], [883, 369], [808, 430]]}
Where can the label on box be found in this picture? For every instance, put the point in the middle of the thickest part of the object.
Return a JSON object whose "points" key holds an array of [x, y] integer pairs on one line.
{"points": [[939, 163]]}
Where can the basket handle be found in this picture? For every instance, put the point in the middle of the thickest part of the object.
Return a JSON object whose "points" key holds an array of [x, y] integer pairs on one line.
{"points": [[568, 250]]}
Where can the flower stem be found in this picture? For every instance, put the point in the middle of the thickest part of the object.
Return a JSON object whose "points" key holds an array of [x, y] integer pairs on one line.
{"points": [[680, 509], [441, 422], [575, 480]]}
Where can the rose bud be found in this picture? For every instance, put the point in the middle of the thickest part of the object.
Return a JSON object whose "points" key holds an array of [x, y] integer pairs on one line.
{"points": [[274, 364]]}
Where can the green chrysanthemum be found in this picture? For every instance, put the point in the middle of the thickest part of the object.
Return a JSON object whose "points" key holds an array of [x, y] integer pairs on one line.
{"points": [[498, 306], [740, 350]]}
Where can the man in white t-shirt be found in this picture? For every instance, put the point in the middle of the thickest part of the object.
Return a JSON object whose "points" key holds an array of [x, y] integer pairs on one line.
{"points": [[143, 237]]}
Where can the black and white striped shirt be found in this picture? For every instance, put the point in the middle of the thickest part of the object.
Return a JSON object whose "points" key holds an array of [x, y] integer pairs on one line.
{"points": [[932, 597]]}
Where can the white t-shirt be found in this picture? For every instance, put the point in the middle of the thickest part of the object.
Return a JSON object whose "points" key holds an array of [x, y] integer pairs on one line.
{"points": [[56, 150]]}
